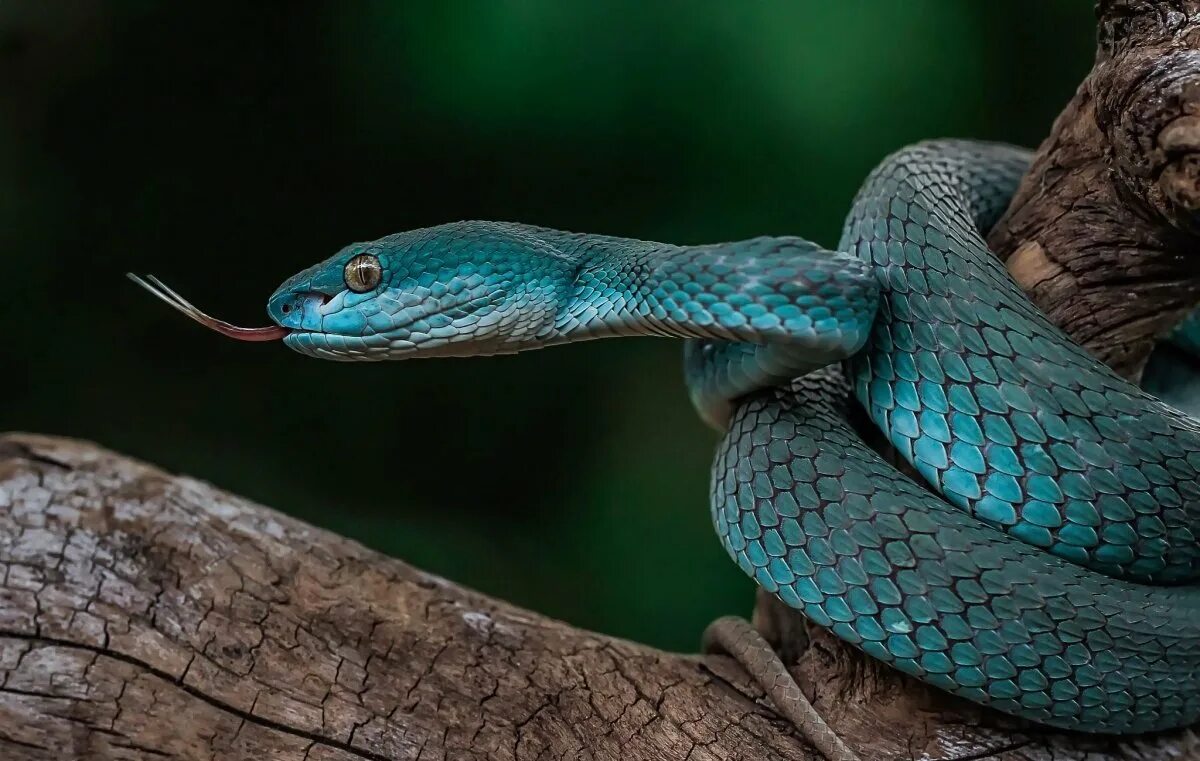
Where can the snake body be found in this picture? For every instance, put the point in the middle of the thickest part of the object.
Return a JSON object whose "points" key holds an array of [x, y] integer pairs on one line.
{"points": [[1045, 564]]}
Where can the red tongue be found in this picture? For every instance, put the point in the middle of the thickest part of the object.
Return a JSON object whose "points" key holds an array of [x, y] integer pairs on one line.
{"points": [[159, 289]]}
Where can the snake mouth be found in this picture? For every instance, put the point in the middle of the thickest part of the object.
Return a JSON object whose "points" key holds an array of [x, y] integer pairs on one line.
{"points": [[162, 291]]}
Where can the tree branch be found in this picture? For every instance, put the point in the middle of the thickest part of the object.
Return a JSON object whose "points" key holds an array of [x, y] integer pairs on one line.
{"points": [[150, 616], [145, 614], [1102, 233]]}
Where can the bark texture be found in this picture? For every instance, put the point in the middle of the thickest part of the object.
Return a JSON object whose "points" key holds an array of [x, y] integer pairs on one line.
{"points": [[1102, 233], [151, 616], [146, 616]]}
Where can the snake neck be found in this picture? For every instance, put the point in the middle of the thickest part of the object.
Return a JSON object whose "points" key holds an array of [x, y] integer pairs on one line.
{"points": [[769, 290]]}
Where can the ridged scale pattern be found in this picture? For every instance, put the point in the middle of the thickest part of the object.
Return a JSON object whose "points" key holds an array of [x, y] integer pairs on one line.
{"points": [[815, 516], [1060, 484], [997, 409]]}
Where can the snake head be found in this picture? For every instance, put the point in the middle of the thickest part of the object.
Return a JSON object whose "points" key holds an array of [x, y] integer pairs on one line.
{"points": [[467, 288]]}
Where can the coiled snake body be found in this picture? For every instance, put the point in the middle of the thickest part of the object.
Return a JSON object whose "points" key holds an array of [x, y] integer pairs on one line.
{"points": [[1047, 564]]}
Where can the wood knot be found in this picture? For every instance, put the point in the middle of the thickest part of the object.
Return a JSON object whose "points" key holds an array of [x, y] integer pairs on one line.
{"points": [[1180, 178]]}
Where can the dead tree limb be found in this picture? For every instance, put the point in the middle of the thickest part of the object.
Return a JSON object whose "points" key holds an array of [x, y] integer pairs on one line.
{"points": [[151, 616], [144, 615], [1102, 233]]}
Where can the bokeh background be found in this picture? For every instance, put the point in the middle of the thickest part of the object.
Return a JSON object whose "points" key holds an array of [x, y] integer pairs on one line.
{"points": [[223, 146]]}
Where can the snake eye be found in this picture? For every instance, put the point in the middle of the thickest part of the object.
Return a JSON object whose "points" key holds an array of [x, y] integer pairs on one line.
{"points": [[363, 272]]}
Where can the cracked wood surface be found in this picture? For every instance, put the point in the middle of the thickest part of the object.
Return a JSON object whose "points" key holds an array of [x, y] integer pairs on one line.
{"points": [[146, 616], [150, 616]]}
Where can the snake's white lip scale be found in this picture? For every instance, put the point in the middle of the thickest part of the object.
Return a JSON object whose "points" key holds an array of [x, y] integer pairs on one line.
{"points": [[164, 292]]}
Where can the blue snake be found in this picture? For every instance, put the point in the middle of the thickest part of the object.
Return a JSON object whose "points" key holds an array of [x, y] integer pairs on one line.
{"points": [[1042, 561]]}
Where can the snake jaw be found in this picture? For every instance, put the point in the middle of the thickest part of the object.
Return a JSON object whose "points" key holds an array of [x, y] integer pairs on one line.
{"points": [[162, 291]]}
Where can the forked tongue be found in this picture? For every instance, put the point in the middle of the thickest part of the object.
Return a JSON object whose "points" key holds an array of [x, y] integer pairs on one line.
{"points": [[159, 289]]}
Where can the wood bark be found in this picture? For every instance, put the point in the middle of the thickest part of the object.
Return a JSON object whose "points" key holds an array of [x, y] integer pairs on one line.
{"points": [[145, 615], [1102, 232], [149, 616]]}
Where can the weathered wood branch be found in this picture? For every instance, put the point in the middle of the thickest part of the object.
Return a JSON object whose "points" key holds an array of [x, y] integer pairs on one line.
{"points": [[1103, 231], [150, 616], [143, 614]]}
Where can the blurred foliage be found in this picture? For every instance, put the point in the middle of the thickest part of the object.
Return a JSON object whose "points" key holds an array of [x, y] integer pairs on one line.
{"points": [[224, 146]]}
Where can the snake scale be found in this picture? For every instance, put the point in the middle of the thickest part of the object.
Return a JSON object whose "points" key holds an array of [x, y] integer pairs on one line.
{"points": [[1045, 563]]}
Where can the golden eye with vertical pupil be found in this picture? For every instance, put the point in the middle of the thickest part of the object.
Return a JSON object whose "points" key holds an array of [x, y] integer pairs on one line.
{"points": [[363, 272]]}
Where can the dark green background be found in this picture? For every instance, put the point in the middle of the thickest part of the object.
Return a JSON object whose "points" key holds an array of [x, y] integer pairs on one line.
{"points": [[224, 146]]}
